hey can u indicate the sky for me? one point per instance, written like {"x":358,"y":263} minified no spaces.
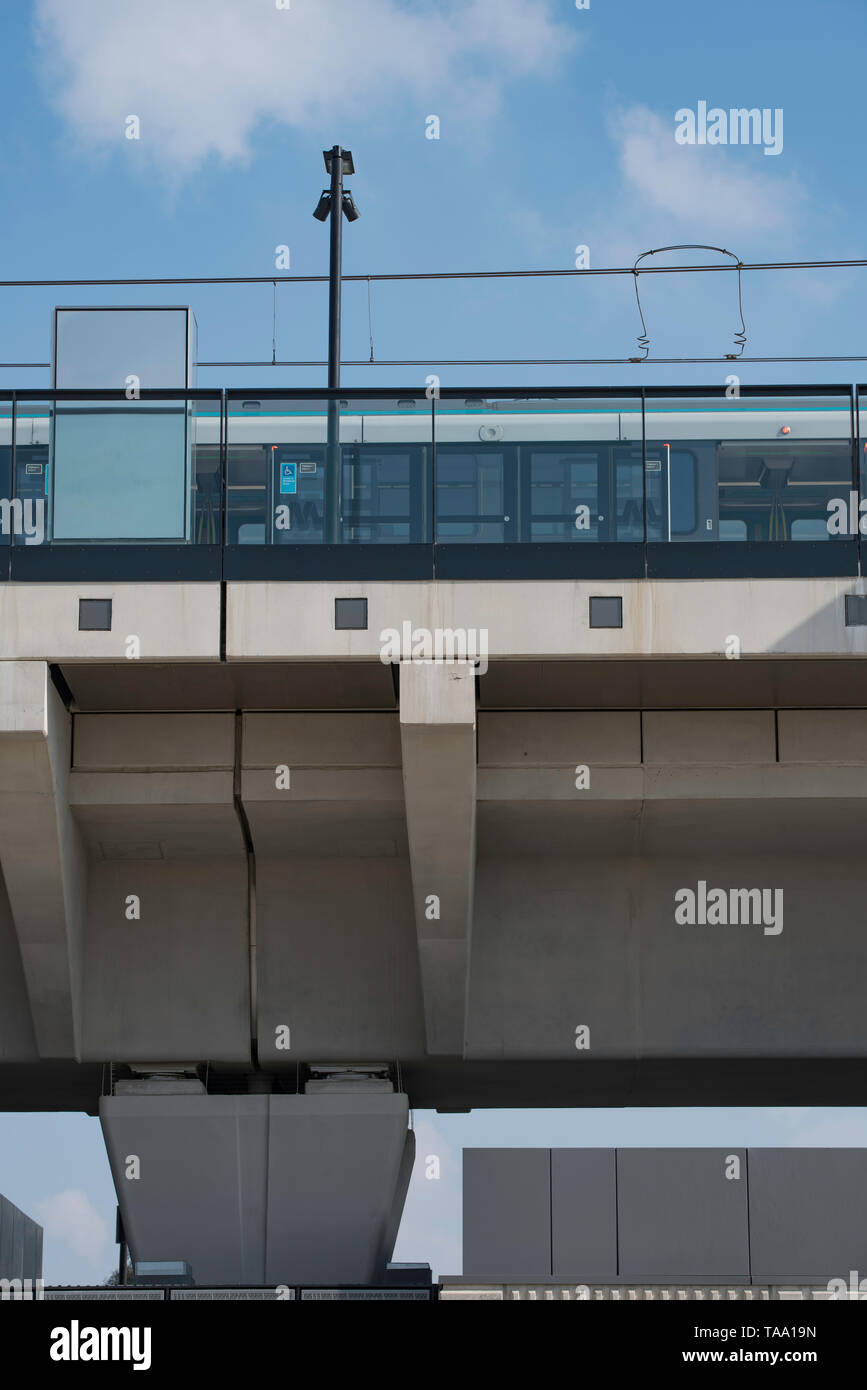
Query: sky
{"x":557,"y":129}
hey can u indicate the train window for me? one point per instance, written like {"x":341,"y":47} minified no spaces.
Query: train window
{"x":564,"y":484}
{"x":733,"y":530}
{"x":810,"y":529}
{"x":629,"y":500}
{"x":470,"y":494}
{"x":684,"y":518}
{"x":376,"y":495}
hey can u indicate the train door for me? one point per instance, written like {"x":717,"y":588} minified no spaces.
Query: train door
{"x":476,"y":493}
{"x":677,"y":508}
{"x":585,"y":492}
{"x":384,"y":493}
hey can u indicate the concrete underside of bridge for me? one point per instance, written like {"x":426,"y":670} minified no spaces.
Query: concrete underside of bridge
{"x":253,"y":867}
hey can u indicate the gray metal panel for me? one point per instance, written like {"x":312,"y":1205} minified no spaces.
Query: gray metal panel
{"x":583,"y":1214}
{"x":18,"y":1220}
{"x":680,"y":1217}
{"x":32,"y":1260}
{"x":7,"y":1213}
{"x":507,"y":1214}
{"x":808,"y":1214}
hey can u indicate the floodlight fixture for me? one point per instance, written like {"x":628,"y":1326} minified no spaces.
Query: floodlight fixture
{"x":323,"y":207}
{"x":350,"y":210}
{"x":346,"y":159}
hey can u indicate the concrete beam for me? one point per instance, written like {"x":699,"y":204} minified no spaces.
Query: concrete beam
{"x":41,"y":851}
{"x":550,"y":619}
{"x":438,"y":735}
{"x":336,"y":950}
{"x":352,"y":758}
{"x":171,"y":622}
{"x":152,"y":795}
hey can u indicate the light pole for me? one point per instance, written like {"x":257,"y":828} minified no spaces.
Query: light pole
{"x":337,"y":204}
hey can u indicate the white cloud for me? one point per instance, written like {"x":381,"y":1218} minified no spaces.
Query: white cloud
{"x":71,"y":1217}
{"x":709,"y":189}
{"x":201,"y":74}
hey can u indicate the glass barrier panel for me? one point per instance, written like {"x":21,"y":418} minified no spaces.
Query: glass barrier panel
{"x":206,"y":502}
{"x":859,"y":509}
{"x":309,"y":472}
{"x":102,"y":349}
{"x":122,"y":471}
{"x":746,"y":468}
{"x":386,"y":470}
{"x":31,"y":484}
{"x":7,"y":513}
{"x":550,"y":470}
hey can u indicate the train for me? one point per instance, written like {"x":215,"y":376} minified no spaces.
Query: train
{"x":478,"y":470}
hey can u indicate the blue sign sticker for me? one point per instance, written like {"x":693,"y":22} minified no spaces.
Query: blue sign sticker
{"x":288,"y":477}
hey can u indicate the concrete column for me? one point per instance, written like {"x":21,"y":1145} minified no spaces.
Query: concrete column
{"x":41,"y":851}
{"x":261,"y":1189}
{"x":438,"y":735}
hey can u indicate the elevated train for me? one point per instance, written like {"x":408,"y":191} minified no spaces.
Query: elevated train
{"x":521,"y":471}
{"x":480,"y":470}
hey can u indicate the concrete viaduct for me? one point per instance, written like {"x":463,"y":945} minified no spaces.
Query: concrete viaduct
{"x":261,"y":892}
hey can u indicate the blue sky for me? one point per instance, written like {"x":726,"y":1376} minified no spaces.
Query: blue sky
{"x":556,"y":129}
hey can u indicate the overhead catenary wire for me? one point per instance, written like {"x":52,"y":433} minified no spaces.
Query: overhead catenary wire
{"x":542,"y":361}
{"x":507,"y":361}
{"x":736,"y":266}
{"x":837,"y":264}
{"x":510,"y":361}
{"x":740,"y":337}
